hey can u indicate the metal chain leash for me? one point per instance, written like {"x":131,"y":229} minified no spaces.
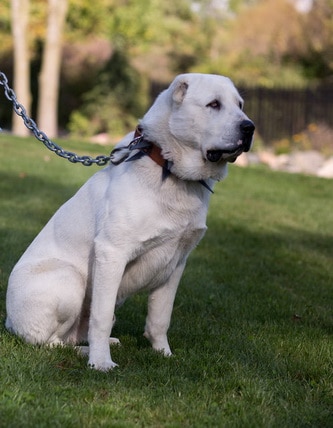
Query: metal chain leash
{"x":100,"y":160}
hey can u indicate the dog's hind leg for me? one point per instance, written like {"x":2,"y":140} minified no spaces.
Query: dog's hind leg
{"x":44,"y":306}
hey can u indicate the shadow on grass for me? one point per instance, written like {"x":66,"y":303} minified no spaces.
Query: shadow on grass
{"x":248,"y":281}
{"x":23,"y":213}
{"x":286,"y":270}
{"x":26,"y":211}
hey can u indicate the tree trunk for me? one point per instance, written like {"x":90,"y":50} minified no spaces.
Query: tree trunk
{"x":47,"y":117}
{"x":20,"y":18}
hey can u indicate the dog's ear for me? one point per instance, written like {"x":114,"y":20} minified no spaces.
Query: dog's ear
{"x":180,"y":91}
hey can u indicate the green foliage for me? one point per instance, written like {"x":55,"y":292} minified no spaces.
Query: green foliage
{"x":86,"y":18}
{"x":115,"y":103}
{"x":252,"y":323}
{"x":133,"y":23}
{"x":257,"y":72}
{"x":121,"y":93}
{"x":292,"y":49}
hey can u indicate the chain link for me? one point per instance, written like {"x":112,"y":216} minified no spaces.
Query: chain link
{"x":100,"y":160}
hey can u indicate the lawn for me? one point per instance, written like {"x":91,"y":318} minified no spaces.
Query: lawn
{"x":252,"y":324}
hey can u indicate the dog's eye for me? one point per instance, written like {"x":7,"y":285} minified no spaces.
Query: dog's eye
{"x":240,"y":105}
{"x":216,"y":105}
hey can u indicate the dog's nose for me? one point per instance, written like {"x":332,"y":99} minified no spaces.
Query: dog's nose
{"x":247,"y":127}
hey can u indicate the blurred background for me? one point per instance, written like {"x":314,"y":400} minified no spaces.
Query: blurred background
{"x":84,"y":68}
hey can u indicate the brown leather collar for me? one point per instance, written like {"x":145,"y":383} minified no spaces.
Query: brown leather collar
{"x":154,"y":152}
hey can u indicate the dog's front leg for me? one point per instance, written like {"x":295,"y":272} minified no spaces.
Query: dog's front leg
{"x":160,"y":305}
{"x":108,"y":272}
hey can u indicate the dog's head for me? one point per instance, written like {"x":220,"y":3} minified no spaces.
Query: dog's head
{"x":200,"y":126}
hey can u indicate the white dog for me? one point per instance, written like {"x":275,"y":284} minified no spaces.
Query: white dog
{"x":132,"y":226}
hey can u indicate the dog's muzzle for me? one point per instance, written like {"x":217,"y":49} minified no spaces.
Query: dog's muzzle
{"x":230,"y":154}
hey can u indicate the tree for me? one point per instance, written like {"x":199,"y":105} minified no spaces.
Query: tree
{"x":47,"y":116}
{"x":20,"y":18}
{"x":264,"y":53}
{"x":317,"y":55}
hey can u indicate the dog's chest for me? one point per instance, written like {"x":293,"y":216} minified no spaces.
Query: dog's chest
{"x":156,"y":227}
{"x":157,"y":259}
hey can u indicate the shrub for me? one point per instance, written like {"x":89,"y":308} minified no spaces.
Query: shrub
{"x":113,"y":105}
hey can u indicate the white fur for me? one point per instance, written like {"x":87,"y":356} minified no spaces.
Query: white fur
{"x":126,"y":230}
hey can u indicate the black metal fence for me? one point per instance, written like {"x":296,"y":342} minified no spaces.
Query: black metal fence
{"x":282,"y":113}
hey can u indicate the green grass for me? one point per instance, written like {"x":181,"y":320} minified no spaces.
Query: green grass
{"x":252,"y":324}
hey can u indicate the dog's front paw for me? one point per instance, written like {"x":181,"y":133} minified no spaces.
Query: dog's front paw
{"x":103,"y":366}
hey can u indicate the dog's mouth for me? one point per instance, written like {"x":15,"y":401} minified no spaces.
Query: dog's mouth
{"x":231,"y":153}
{"x":227,"y":155}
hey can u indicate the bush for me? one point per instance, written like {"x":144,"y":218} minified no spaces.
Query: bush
{"x":314,"y":137}
{"x":118,"y":99}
